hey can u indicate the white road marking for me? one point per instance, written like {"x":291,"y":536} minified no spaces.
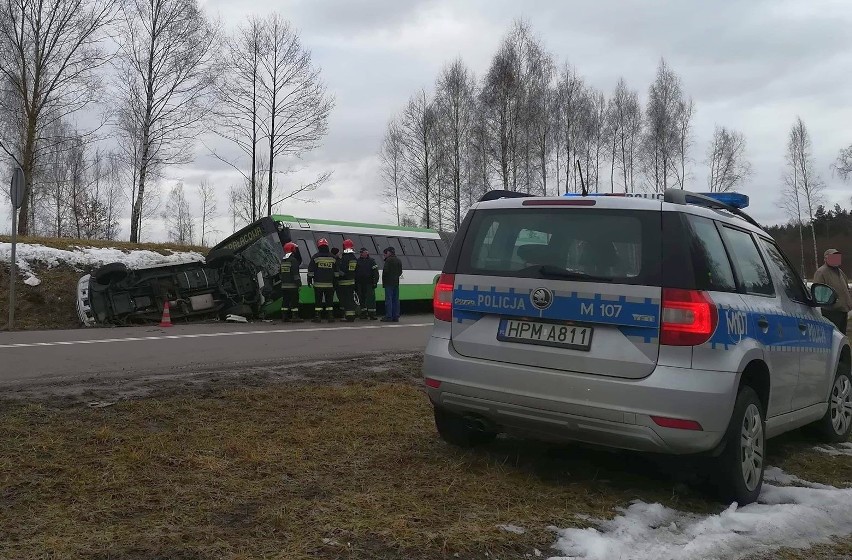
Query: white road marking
{"x":207,"y":335}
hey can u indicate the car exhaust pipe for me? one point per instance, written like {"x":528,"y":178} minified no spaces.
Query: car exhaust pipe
{"x":480,"y":424}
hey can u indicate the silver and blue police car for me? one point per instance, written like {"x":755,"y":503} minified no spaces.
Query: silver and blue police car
{"x":667,"y":323}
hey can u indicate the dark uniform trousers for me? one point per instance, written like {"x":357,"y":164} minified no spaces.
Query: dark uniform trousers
{"x":346,"y":294}
{"x":290,"y":302}
{"x":324,"y":297}
{"x":367,"y":298}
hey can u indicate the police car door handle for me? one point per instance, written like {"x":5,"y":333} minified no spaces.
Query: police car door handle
{"x":763,"y":323}
{"x":803,"y":327}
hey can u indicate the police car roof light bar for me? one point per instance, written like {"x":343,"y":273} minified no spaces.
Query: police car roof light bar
{"x":678,"y":196}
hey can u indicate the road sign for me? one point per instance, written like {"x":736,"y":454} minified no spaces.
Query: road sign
{"x":17,"y":190}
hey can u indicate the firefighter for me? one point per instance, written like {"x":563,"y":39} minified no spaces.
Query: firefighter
{"x":338,"y":307}
{"x":291,"y":281}
{"x":346,"y":282}
{"x":322,"y":272}
{"x":366,"y":281}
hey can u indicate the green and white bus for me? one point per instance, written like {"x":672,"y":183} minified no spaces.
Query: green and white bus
{"x":422,"y":251}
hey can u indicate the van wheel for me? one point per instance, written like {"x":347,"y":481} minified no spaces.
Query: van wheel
{"x":741,"y":464}
{"x":110,"y":273}
{"x":837,"y":422}
{"x":456,"y":430}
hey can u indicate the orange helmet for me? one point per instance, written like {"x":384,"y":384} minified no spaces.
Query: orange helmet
{"x":347,"y":244}
{"x":322,"y":242}
{"x":289,"y":247}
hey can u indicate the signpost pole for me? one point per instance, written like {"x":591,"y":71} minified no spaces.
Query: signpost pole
{"x":13,"y":272}
{"x":16,"y":191}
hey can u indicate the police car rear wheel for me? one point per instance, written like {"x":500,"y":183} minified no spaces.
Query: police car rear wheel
{"x":459,"y":431}
{"x":741,"y":464}
{"x":837,"y":422}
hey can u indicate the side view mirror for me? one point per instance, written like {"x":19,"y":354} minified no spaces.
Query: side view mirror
{"x":823,"y":295}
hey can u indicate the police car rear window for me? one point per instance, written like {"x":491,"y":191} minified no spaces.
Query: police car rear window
{"x":572,"y":244}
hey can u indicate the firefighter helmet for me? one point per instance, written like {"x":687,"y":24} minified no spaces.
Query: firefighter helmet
{"x":322,"y":242}
{"x":289,"y":247}
{"x":347,"y":244}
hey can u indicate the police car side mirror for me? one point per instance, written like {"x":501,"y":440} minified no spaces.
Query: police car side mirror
{"x":824,"y":296}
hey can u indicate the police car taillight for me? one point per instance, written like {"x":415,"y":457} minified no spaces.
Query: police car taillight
{"x":442,"y":301}
{"x":689,"y":317}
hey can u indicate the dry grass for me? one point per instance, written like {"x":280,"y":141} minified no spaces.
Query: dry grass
{"x":271,"y":472}
{"x":320,"y":468}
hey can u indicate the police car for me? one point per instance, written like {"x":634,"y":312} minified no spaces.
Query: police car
{"x":669,"y":323}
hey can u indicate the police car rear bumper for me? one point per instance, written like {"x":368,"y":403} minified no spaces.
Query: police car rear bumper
{"x":558,"y":405}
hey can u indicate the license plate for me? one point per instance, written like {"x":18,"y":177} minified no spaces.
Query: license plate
{"x":559,"y":335}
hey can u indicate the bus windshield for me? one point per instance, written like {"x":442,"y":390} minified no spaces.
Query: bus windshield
{"x":266,"y":254}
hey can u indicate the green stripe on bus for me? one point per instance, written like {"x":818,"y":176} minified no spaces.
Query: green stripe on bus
{"x":407,"y":292}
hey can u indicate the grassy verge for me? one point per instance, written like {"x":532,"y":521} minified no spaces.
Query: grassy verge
{"x":337,"y":470}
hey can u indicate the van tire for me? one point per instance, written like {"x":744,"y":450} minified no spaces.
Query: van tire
{"x":835,"y":426}
{"x":733,"y":485}
{"x":456,"y":430}
{"x":109,"y":273}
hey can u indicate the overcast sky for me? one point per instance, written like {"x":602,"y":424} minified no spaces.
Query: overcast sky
{"x":753,"y":66}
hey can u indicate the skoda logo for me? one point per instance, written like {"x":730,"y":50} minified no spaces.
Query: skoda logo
{"x":541,"y":298}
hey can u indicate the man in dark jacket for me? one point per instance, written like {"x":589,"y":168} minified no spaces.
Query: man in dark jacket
{"x":346,"y":282}
{"x":322,"y":272}
{"x":366,"y":280}
{"x":391,"y":273}
{"x":291,"y":281}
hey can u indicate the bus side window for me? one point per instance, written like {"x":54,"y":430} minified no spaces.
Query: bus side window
{"x":367,"y":243}
{"x":308,"y":250}
{"x":430,"y":249}
{"x":394,"y":242}
{"x":411,"y":247}
{"x":381,"y":243}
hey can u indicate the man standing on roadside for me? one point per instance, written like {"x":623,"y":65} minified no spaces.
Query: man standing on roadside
{"x":832,"y":275}
{"x":366,"y":280}
{"x":390,"y":282}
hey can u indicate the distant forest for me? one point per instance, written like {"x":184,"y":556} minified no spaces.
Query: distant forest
{"x":833,"y":230}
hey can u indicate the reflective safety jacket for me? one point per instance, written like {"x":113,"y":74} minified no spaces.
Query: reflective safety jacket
{"x":322,"y":270}
{"x":289,"y":274}
{"x":348,"y":264}
{"x":367,"y":271}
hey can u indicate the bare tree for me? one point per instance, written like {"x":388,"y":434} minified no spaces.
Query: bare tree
{"x":569,"y":91}
{"x":392,"y":157}
{"x":50,"y":52}
{"x":685,"y":111}
{"x":207,"y":196}
{"x":180,"y":224}
{"x":625,"y":124}
{"x":456,"y":113}
{"x":663,"y":120}
{"x":294,"y":98}
{"x":419,"y":133}
{"x":801,"y":177}
{"x":238,"y":94}
{"x":843,"y":165}
{"x":726,"y":160}
{"x":167,"y":70}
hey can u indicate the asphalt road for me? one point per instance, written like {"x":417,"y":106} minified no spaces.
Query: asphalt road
{"x":40,"y":356}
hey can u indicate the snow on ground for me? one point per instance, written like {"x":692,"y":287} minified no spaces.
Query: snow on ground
{"x":841,"y":449}
{"x":510,"y":528}
{"x":28,"y":253}
{"x":785,"y":516}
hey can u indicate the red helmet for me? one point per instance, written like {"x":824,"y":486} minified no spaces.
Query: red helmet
{"x":347,"y":244}
{"x":322,"y":242}
{"x":289,"y":247}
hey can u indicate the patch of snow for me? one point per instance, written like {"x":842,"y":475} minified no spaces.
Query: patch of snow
{"x":90,"y":257}
{"x":785,"y":516}
{"x":839,"y":450}
{"x":32,"y":280}
{"x":776,"y":475}
{"x":509,"y":528}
